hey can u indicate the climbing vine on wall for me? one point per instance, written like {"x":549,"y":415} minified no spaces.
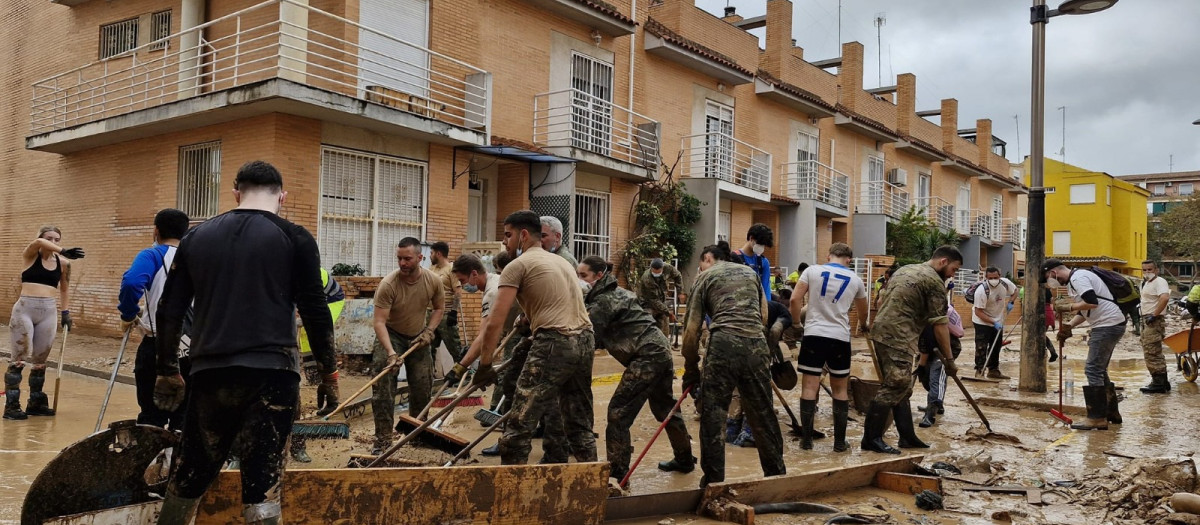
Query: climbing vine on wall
{"x":663,"y":216}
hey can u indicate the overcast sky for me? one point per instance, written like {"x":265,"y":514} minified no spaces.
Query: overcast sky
{"x":1129,"y":76}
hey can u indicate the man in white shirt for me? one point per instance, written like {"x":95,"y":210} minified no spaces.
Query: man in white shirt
{"x":830,"y":290}
{"x":1155,"y":294}
{"x":1093,"y":302}
{"x":992,"y":301}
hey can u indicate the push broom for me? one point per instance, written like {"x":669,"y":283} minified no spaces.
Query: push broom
{"x":324,"y":428}
{"x":1058,"y":414}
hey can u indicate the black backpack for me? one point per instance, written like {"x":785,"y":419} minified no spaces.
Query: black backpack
{"x":1123,"y":288}
{"x":969,"y":293}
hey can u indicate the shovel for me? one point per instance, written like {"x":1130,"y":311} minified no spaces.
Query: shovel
{"x":382,"y":373}
{"x":782,"y":372}
{"x":111,"y":380}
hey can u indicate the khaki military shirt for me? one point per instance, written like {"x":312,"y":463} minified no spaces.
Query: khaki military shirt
{"x":731,"y":295}
{"x":548,"y":292}
{"x":449,"y":282}
{"x":406,"y":303}
{"x":916,"y":298}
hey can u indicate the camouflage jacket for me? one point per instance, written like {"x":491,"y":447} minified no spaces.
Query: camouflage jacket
{"x":621,"y":326}
{"x":732,"y":296}
{"x":652,"y":291}
{"x":916,"y":298}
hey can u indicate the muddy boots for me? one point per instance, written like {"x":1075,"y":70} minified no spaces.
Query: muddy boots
{"x":808,"y":412}
{"x":1158,"y":384}
{"x":38,"y":402}
{"x":745,"y":438}
{"x":299,"y":450}
{"x":874,"y":427}
{"x":902,"y":414}
{"x":678,"y":465}
{"x":1110,"y":395}
{"x":1096,"y":398}
{"x":177,"y":510}
{"x":930,"y":415}
{"x":732,"y":427}
{"x":12,"y":394}
{"x":841,"y":413}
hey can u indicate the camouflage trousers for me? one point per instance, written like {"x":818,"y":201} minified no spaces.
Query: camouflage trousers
{"x":506,"y":387}
{"x":647,"y":378}
{"x":447,"y":332}
{"x":896,"y":365}
{"x":554,"y":435}
{"x":663,"y":322}
{"x":735,"y":361}
{"x":1152,"y":347}
{"x":558,"y":372}
{"x":419,"y":369}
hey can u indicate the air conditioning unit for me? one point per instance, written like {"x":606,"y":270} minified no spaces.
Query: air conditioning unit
{"x":1168,"y":184}
{"x":897,"y":176}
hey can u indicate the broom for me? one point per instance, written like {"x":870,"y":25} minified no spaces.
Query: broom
{"x":1058,"y":414}
{"x":340,"y":429}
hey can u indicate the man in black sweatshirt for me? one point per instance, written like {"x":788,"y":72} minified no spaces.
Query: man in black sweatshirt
{"x":248,"y":271}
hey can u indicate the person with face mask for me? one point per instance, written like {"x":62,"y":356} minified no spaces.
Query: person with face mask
{"x":654,"y":287}
{"x":1155,"y":293}
{"x":552,"y":239}
{"x":758,"y":238}
{"x":993,"y":299}
{"x":1090,"y":301}
{"x":917,"y":299}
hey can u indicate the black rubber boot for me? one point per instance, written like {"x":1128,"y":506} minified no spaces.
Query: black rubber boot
{"x":12,"y":394}
{"x":1096,"y":398}
{"x":678,"y":465}
{"x":493,"y":450}
{"x":1158,"y":384}
{"x":902,"y":414}
{"x":930,"y":418}
{"x":873,"y":429}
{"x":808,"y":412}
{"x":299,"y":451}
{"x":841,"y":413}
{"x":39,"y":404}
{"x":1110,"y":395}
{"x":177,"y":510}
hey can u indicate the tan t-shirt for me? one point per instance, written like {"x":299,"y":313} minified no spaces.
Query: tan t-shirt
{"x":449,"y":282}
{"x":548,"y":291}
{"x":406,"y":303}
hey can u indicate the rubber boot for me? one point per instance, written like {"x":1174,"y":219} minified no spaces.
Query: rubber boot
{"x":1110,"y":395}
{"x":902,"y":414}
{"x":745,"y":438}
{"x":732,"y":426}
{"x":940,"y":408}
{"x":39,"y":404}
{"x":873,"y":429}
{"x":1096,"y":398}
{"x":995,"y":373}
{"x":808,"y":412}
{"x":930,"y":418}
{"x":265,"y":513}
{"x":1158,"y":384}
{"x":177,"y":510}
{"x":493,"y":450}
{"x":12,"y":394}
{"x":299,"y":450}
{"x":841,"y":413}
{"x":678,"y":465}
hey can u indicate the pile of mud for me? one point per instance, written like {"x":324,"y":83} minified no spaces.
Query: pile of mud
{"x":1138,"y":493}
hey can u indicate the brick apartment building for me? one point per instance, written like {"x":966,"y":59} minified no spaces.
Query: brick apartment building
{"x":435,"y":119}
{"x":1166,"y":191}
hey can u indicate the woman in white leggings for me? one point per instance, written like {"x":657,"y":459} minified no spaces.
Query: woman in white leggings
{"x":34,"y":323}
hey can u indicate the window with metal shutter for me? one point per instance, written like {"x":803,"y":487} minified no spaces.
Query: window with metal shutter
{"x":591,"y":108}
{"x":384,"y":60}
{"x":199,"y":180}
{"x":160,"y":23}
{"x":591,"y":226}
{"x":118,"y":37}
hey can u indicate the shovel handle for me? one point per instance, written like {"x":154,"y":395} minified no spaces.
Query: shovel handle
{"x":661,"y":426}
{"x":62,"y":351}
{"x":437,"y":395}
{"x":467,"y":449}
{"x":971,"y":400}
{"x":382,"y":373}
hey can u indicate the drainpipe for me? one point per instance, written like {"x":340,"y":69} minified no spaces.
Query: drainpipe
{"x":191,"y":14}
{"x":632,"y":45}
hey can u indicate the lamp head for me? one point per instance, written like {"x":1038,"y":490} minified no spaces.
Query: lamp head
{"x":1083,"y":7}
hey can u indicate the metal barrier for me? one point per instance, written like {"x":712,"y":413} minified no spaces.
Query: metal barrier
{"x":938,"y":211}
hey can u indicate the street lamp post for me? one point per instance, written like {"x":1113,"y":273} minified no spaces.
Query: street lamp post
{"x":1033,"y":364}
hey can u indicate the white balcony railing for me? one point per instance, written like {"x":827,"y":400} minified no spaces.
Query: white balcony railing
{"x":964,"y":278}
{"x":962,"y":220}
{"x":572,"y":118}
{"x":812,"y":180}
{"x":262,"y":42}
{"x":985,"y":225}
{"x":882,"y":197}
{"x":719,"y":155}
{"x":937,"y":211}
{"x":1014,"y":231}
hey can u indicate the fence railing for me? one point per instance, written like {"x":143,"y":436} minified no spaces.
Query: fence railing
{"x":1014,"y":231}
{"x":962,"y":220}
{"x":963,"y":279}
{"x":882,"y":197}
{"x":985,"y":225}
{"x":719,"y":155}
{"x":262,"y":42}
{"x":815,"y":181}
{"x":580,"y":120}
{"x":938,"y":211}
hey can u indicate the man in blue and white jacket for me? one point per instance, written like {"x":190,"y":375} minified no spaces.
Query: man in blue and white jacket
{"x":145,"y":278}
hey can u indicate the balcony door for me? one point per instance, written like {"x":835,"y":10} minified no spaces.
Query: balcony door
{"x":718,"y":141}
{"x":392,"y":62}
{"x":874,"y":194}
{"x":591,"y":104}
{"x":963,"y":207}
{"x":997,"y":215}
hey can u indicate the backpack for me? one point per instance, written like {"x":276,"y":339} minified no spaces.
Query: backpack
{"x":969,"y":293}
{"x":1123,"y":288}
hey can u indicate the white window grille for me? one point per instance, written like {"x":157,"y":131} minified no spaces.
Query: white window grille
{"x":591,"y":107}
{"x":368,"y":203}
{"x":118,"y":37}
{"x":199,"y":179}
{"x":808,"y":147}
{"x":997,"y":214}
{"x":590,"y":235}
{"x":724,"y":219}
{"x":160,"y":24}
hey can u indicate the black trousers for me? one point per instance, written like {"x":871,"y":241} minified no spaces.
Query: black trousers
{"x":984,"y":335}
{"x":252,"y":406}
{"x":144,"y":375}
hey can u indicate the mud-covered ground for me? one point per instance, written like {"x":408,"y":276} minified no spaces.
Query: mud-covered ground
{"x":1087,"y":477}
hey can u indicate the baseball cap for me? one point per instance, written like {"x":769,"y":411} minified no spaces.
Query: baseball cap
{"x":1049,"y":264}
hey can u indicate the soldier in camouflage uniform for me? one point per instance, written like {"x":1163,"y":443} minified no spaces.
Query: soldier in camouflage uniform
{"x":731,"y":295}
{"x":653,"y":287}
{"x":629,"y":335}
{"x":916,"y":298}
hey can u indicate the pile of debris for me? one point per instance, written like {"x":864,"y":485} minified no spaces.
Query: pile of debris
{"x":1139,"y":492}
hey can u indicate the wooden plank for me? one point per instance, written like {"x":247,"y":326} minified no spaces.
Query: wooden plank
{"x":137,"y":514}
{"x":796,"y":487}
{"x":431,"y":437}
{"x":907,"y":483}
{"x":550,"y":494}
{"x":729,"y":511}
{"x":1025,"y":404}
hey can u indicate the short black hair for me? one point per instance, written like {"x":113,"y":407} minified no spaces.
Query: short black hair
{"x":258,"y":174}
{"x":718,"y":253}
{"x":1150,"y":262}
{"x":991,"y":269}
{"x":948,"y":252}
{"x":466,"y":263}
{"x":595,"y":263}
{"x":409,"y":242}
{"x":441,"y":247}
{"x":525,"y":220}
{"x":762,"y":234}
{"x":171,"y":223}
{"x":785,"y":294}
{"x":892,"y":269}
{"x":500,"y":260}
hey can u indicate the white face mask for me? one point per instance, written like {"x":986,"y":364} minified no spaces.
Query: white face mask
{"x":1053,"y":282}
{"x":993,"y":282}
{"x":586,"y":286}
{"x":1149,"y":275}
{"x":759,"y":249}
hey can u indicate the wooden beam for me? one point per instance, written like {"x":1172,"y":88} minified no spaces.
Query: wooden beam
{"x":796,"y":487}
{"x":907,"y":483}
{"x":727,"y":510}
{"x":561,"y":493}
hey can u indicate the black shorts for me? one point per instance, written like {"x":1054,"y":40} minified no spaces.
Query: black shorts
{"x":817,"y":352}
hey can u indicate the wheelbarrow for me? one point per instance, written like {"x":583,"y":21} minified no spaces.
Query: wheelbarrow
{"x":1186,"y":345}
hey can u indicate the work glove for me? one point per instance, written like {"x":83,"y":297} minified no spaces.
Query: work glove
{"x":1064,"y":333}
{"x":127,"y":325}
{"x":327,"y":394}
{"x":1010,"y":307}
{"x":424,"y":338}
{"x":66,"y":320}
{"x":168,"y":392}
{"x":1063,"y":306}
{"x":455,"y":374}
{"x":922,"y":373}
{"x":484,"y":376}
{"x":72,"y":253}
{"x":393,"y":361}
{"x":691,"y":378}
{"x":998,"y":325}
{"x":950,"y":367}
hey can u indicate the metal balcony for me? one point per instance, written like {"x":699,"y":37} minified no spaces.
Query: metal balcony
{"x":881,"y":197}
{"x":811,"y":180}
{"x":573,"y":119}
{"x":985,"y":225}
{"x":720,"y":156}
{"x":937,"y":211}
{"x":1014,"y":231}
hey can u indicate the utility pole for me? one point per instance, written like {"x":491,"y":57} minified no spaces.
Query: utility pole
{"x":880,"y":20}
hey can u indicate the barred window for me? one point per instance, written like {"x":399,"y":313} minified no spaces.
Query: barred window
{"x":160,"y":22}
{"x":199,"y":179}
{"x":591,"y":233}
{"x":118,"y":37}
